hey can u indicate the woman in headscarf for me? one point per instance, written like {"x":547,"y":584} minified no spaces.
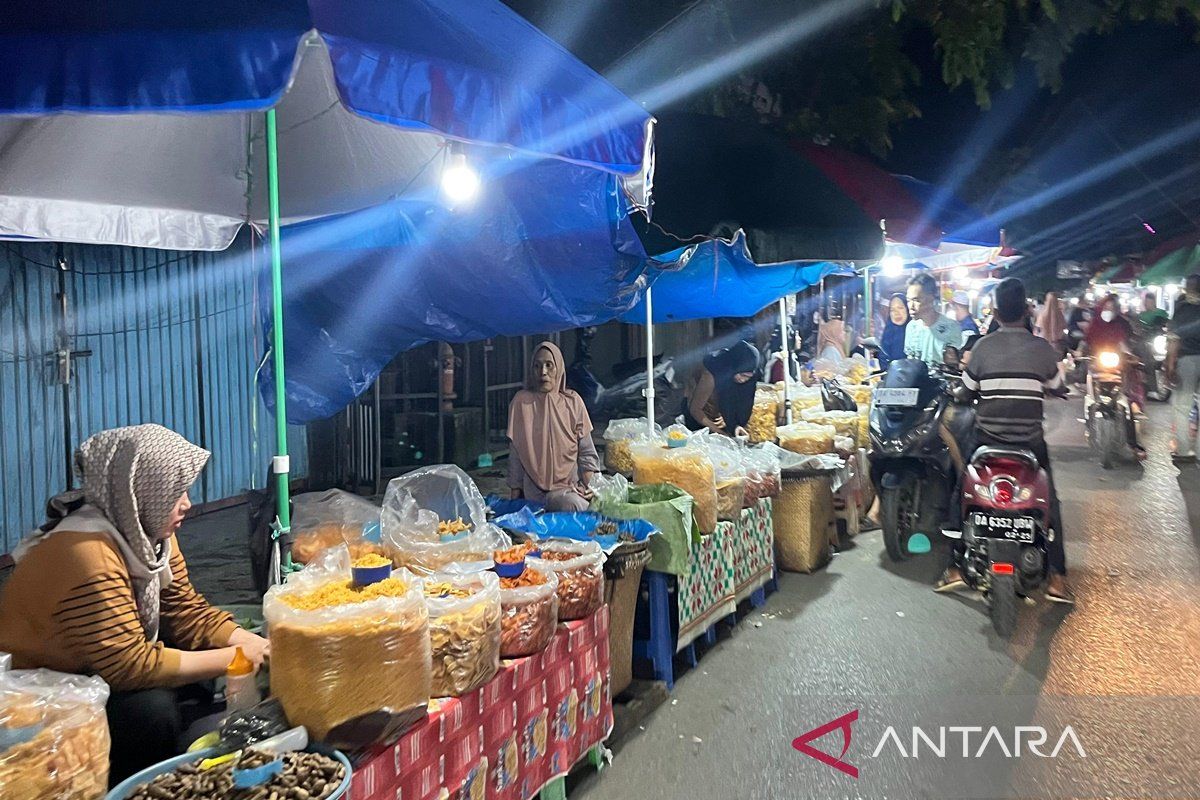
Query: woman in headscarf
{"x":1051,"y":324}
{"x":553,"y":457}
{"x":892,"y":341}
{"x":721,"y":396}
{"x":101,"y":588}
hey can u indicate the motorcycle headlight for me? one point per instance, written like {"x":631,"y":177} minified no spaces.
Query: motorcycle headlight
{"x":1160,"y":346}
{"x":1109,"y":360}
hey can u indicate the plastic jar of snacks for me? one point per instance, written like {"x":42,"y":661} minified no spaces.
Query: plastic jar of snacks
{"x":528,"y":612}
{"x":580,"y":570}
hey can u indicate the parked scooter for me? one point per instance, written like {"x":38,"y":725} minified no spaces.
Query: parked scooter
{"x":1006,"y":524}
{"x":911,"y":466}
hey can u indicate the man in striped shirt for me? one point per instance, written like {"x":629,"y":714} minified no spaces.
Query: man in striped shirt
{"x":1010,"y":371}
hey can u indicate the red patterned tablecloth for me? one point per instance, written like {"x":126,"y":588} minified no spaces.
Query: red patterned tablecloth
{"x":505,"y":741}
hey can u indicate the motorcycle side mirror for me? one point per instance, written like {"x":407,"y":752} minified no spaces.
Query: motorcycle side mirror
{"x":919,"y":544}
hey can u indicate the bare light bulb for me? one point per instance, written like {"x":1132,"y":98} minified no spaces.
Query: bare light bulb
{"x":891,"y":266}
{"x":460,"y":183}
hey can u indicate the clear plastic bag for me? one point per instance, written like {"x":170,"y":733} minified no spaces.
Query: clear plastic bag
{"x":464,"y":630}
{"x":762,"y":472}
{"x":844,"y":423}
{"x":729,"y":469}
{"x":807,"y":438}
{"x":803,"y":398}
{"x":687,"y":468}
{"x":608,"y":489}
{"x":619,"y":438}
{"x":336,"y":663}
{"x":421,"y":516}
{"x":580,"y":570}
{"x":321,"y":520}
{"x":764,"y":416}
{"x":56,"y":734}
{"x":528,"y":615}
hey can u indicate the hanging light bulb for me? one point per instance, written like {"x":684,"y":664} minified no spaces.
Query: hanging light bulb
{"x":460,"y":183}
{"x":891,"y":265}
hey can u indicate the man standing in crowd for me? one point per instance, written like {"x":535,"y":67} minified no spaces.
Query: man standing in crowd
{"x":1183,"y":365}
{"x":929,"y":333}
{"x":960,"y":306}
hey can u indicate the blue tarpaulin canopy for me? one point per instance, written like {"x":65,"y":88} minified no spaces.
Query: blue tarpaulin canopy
{"x":718,"y":278}
{"x":359,"y":289}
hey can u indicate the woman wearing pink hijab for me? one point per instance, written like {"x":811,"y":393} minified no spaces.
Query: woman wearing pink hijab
{"x":553,"y":457}
{"x":1051,"y":325}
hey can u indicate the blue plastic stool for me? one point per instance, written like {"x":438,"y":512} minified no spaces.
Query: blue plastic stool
{"x":659,"y":649}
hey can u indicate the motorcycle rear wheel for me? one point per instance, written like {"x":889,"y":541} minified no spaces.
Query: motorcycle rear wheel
{"x":897,"y":511}
{"x":1003,"y":602}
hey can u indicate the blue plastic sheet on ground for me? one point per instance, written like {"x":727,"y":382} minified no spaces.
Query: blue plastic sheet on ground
{"x":720,"y":279}
{"x":546,"y":246}
{"x":577,"y":526}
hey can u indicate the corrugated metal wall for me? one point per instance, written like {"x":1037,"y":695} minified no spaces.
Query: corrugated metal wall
{"x":160,"y":336}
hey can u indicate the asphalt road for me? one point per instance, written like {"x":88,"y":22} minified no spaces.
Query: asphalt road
{"x":1121,"y":670}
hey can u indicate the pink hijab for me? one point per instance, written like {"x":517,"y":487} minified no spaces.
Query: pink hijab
{"x":545,"y":427}
{"x":1051,"y":322}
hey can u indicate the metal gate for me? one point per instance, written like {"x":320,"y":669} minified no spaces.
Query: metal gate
{"x":97,"y":337}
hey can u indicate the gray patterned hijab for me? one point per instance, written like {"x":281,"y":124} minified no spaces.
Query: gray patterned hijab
{"x":132,"y":477}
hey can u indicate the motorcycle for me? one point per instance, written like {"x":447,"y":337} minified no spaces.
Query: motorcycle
{"x":1158,"y":388}
{"x":911,"y":467}
{"x":1006,"y":524}
{"x":1107,"y":413}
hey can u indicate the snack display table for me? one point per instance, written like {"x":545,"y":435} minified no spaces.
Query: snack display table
{"x":731,"y":565}
{"x":507,"y":740}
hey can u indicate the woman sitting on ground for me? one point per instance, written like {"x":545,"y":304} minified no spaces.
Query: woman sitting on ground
{"x":101,"y":588}
{"x":553,"y":457}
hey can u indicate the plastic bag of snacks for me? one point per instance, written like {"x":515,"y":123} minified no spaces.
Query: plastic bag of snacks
{"x":802,"y":398}
{"x":528,"y":611}
{"x":729,"y":469}
{"x":764,"y":415}
{"x":861,"y":394}
{"x":844,"y":423}
{"x":677,"y":435}
{"x":54,"y":739}
{"x":340,"y":652}
{"x":619,"y":437}
{"x":687,"y":468}
{"x":464,"y":628}
{"x":762,"y":473}
{"x":580,"y":570}
{"x":807,"y":438}
{"x":321,"y":520}
{"x":434,"y":518}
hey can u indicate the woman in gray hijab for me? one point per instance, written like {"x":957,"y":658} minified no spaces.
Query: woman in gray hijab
{"x":101,"y":588}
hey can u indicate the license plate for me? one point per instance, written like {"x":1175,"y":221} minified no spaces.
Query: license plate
{"x":992,"y":526}
{"x":896,"y":397}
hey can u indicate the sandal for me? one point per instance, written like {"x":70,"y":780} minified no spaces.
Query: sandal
{"x":1067,"y":599}
{"x":946,"y":584}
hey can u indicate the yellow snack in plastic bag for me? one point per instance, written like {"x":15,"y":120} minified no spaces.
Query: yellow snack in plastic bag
{"x":845,"y":423}
{"x":687,"y":468}
{"x":764,"y":415}
{"x":807,"y":438}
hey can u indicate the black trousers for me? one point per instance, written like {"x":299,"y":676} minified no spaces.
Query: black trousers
{"x":148,"y":725}
{"x":1056,"y":555}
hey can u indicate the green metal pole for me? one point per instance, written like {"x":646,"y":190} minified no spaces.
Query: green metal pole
{"x":281,"y":466}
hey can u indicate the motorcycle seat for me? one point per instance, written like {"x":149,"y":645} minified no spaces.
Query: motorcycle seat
{"x":1016,"y":453}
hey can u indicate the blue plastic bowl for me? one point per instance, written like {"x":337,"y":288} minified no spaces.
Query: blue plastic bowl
{"x":365,"y":576}
{"x":509,"y":570}
{"x":676,"y":442}
{"x":125,"y":788}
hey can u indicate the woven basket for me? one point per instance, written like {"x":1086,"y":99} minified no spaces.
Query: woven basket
{"x":804,"y":524}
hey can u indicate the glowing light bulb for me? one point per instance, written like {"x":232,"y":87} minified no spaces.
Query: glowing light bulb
{"x":460,"y":183}
{"x":891,"y":265}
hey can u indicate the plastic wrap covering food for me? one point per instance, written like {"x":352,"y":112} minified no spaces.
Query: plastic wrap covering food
{"x":687,"y":468}
{"x":464,"y":628}
{"x":619,"y":438}
{"x":349,"y":663}
{"x":580,"y":570}
{"x":802,"y":398}
{"x":807,"y":438}
{"x":435,"y":519}
{"x":864,"y":425}
{"x":53,"y":736}
{"x":762,"y":473}
{"x":861,"y":393}
{"x":844,"y":423}
{"x":764,"y":415}
{"x":321,"y":520}
{"x":5,"y":662}
{"x":528,"y":612}
{"x":857,"y":371}
{"x":729,"y":469}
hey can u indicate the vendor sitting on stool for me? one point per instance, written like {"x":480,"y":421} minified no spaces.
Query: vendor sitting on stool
{"x":552,"y":456}
{"x":101,"y":588}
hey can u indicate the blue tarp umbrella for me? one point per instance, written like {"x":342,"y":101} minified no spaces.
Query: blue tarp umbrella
{"x":159,"y":123}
